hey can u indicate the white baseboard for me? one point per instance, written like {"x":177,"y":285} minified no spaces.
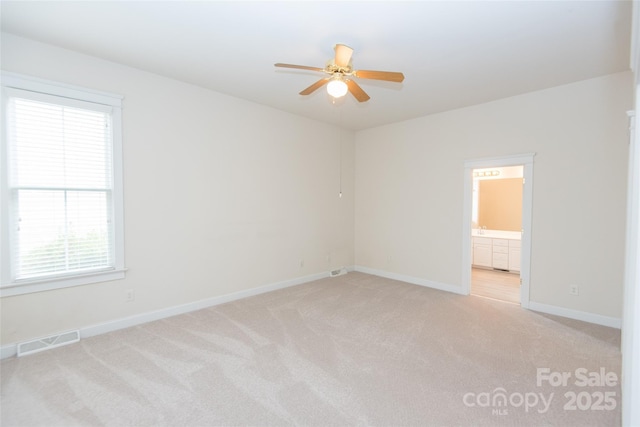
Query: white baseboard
{"x":10,"y":350}
{"x":612,"y":322}
{"x":598,"y":319}
{"x":413,"y":280}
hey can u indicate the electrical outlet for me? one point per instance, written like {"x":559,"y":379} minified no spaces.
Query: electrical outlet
{"x":574,"y":290}
{"x":301,"y":263}
{"x":129,"y":295}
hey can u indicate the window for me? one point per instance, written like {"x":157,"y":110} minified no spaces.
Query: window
{"x":61,"y":175}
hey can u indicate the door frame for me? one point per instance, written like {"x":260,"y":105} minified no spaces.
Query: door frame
{"x":525,"y":160}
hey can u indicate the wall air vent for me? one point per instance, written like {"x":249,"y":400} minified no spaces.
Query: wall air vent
{"x":339,"y":272}
{"x":47,"y":343}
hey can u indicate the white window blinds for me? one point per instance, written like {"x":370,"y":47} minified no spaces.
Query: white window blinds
{"x":60,"y":185}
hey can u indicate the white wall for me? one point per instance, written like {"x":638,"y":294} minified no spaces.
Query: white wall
{"x":631,"y":316}
{"x":409,"y":189}
{"x":221,"y":195}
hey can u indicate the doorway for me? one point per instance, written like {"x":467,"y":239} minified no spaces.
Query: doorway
{"x":496,"y":230}
{"x":485,"y":255}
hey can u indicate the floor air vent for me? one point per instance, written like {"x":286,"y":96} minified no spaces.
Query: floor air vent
{"x":53,"y":341}
{"x":339,"y":272}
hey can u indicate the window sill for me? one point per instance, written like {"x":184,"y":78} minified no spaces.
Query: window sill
{"x":51,"y":283}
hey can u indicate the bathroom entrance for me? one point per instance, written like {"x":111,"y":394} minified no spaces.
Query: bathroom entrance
{"x":496,"y":228}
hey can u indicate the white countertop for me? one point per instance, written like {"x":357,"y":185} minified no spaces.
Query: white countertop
{"x":497,"y":234}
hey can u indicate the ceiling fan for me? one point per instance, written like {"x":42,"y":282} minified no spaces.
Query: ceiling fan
{"x":341,"y":74}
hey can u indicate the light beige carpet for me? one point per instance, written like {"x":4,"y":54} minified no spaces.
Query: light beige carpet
{"x":352,"y":350}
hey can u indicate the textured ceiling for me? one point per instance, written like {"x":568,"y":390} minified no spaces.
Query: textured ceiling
{"x":453,"y":53}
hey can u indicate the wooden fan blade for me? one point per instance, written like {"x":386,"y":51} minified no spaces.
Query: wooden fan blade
{"x":300,"y":67}
{"x":389,"y":76}
{"x":317,"y":85}
{"x":343,"y":55}
{"x":357,"y":91}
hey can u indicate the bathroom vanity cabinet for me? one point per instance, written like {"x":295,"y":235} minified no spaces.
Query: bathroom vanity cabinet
{"x":496,"y":252}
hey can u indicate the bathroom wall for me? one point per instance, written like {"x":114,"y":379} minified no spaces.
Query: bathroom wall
{"x":500,"y":204}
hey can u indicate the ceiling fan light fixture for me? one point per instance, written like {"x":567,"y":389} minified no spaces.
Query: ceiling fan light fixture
{"x":342,"y":75}
{"x":337,"y":87}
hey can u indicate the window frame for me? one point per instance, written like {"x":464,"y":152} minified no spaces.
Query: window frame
{"x":8,"y":287}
